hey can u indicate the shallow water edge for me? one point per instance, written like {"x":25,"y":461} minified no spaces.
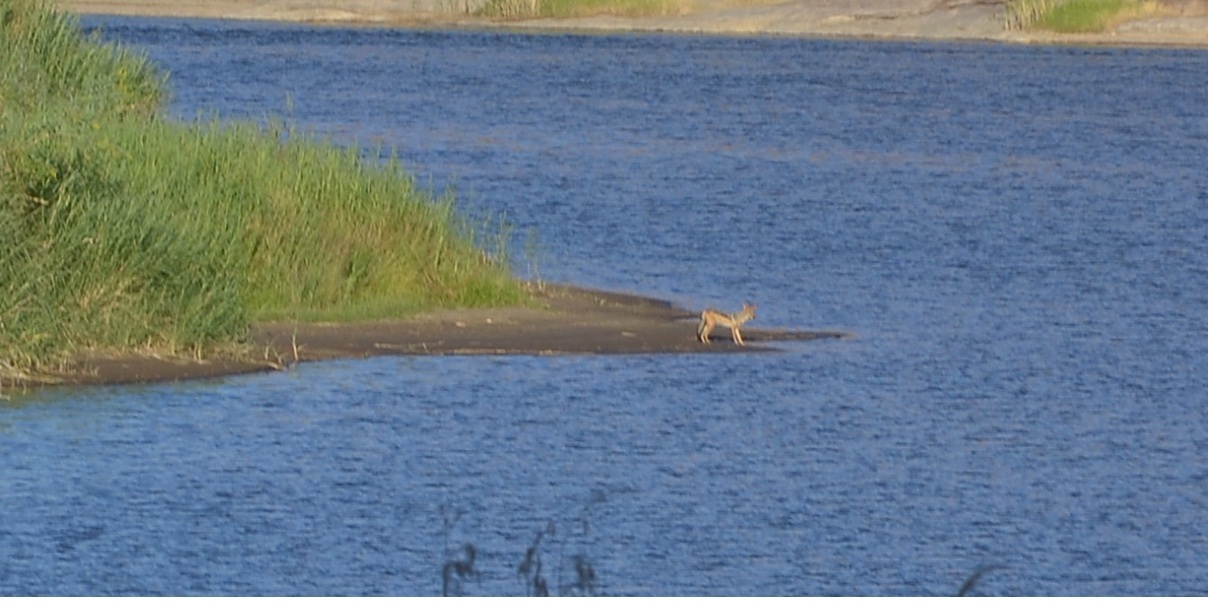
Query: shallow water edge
{"x":562,"y":320}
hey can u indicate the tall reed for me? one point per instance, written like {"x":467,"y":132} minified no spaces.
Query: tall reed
{"x":1022,"y":14}
{"x":46,"y":57}
{"x":121,"y":229}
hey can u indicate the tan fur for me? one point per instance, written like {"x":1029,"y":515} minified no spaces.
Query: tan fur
{"x":710,"y":318}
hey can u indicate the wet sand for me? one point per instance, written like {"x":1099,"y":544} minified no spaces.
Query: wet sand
{"x":561,"y":320}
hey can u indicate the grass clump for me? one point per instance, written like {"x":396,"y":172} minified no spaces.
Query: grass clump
{"x":1075,"y":16}
{"x":565,"y":9}
{"x":45,"y":58}
{"x":122,"y":229}
{"x":1021,"y":14}
{"x":1082,"y":16}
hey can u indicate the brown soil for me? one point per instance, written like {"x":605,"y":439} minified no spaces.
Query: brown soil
{"x":563,"y":320}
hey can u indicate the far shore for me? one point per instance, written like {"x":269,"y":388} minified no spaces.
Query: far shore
{"x":1181,"y":23}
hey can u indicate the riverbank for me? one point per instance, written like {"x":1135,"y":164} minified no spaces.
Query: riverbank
{"x":561,"y":320}
{"x":1180,"y":23}
{"x":122,"y":229}
{"x":555,"y":326}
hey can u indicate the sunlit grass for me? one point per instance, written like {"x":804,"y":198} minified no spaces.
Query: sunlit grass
{"x":528,"y":9}
{"x":1075,"y":16}
{"x":1094,"y":15}
{"x":121,"y":229}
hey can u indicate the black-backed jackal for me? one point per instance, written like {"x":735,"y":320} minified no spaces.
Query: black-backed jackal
{"x":710,"y":318}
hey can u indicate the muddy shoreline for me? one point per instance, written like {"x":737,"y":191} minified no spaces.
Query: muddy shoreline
{"x":561,"y":320}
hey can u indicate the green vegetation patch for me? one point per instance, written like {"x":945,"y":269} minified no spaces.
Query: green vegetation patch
{"x":1074,"y":16}
{"x":1084,"y":15}
{"x":121,"y":229}
{"x":563,"y":9}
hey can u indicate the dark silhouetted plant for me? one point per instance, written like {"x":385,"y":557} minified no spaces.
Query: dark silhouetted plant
{"x":976,"y":577}
{"x":457,"y":571}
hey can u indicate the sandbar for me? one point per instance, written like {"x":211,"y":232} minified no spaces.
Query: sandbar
{"x":559,"y":320}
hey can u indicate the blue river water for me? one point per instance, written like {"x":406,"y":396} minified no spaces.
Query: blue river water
{"x":1015,"y":235}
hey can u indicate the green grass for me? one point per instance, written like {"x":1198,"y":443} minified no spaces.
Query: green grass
{"x":561,"y":9}
{"x":1073,"y":16}
{"x":121,"y":229}
{"x":1084,"y":15}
